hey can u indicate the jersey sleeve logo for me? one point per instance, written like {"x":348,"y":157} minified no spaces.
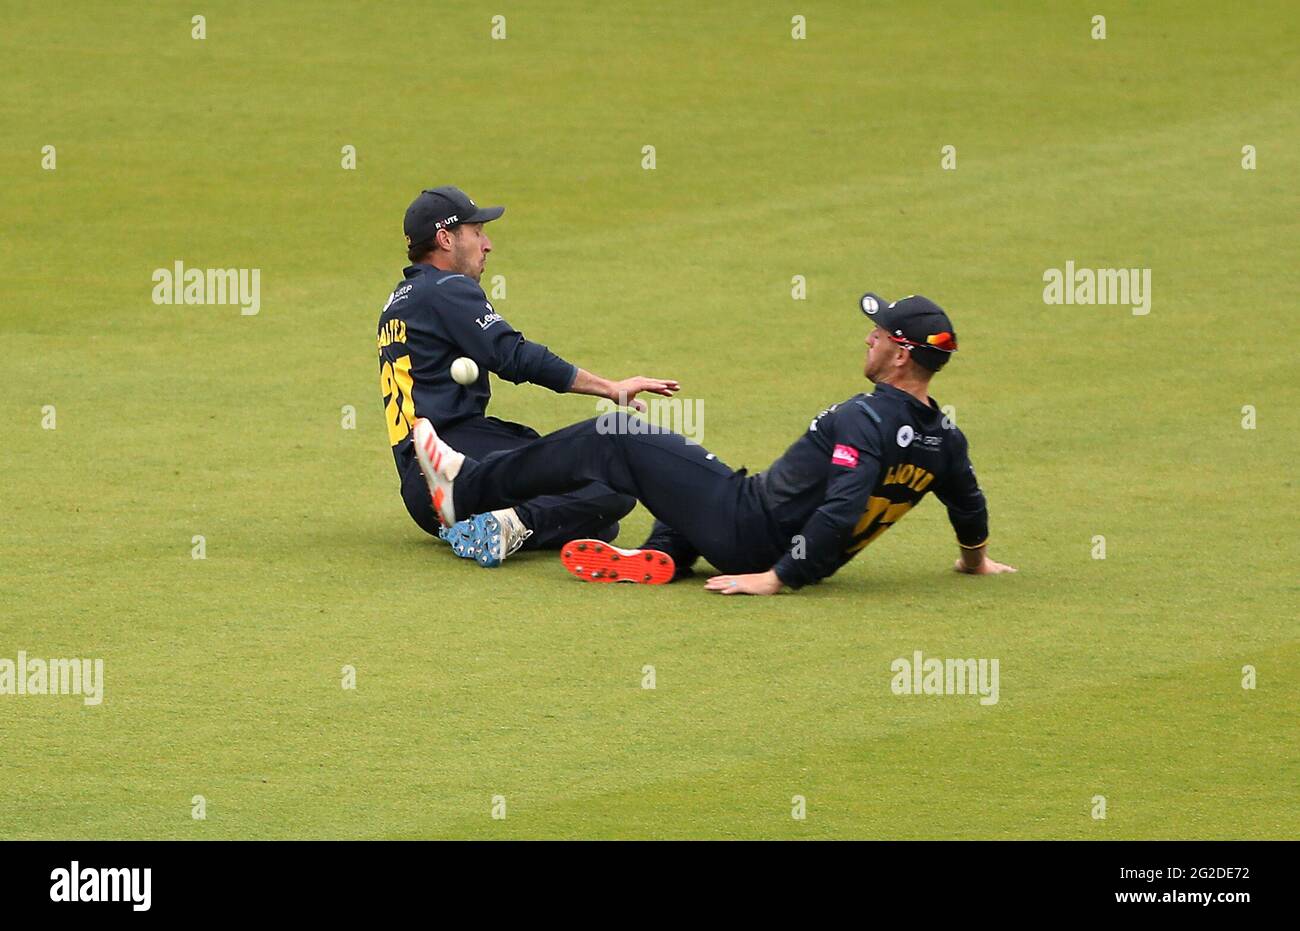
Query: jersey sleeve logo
{"x":845,"y":456}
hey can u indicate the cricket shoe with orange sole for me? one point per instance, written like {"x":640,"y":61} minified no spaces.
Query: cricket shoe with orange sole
{"x":597,"y":561}
{"x":440,"y":464}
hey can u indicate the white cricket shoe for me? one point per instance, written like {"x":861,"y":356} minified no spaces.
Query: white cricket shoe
{"x":440,"y":465}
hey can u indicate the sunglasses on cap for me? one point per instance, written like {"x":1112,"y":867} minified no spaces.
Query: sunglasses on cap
{"x":943,"y":342}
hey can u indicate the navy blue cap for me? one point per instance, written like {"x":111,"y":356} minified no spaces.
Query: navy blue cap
{"x":915,"y":322}
{"x":442,"y":208}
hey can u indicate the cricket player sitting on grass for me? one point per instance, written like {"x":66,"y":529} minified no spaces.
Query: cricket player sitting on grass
{"x":438,"y":314}
{"x":861,"y":465}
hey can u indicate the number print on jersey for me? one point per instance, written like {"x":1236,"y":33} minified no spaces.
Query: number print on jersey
{"x":880,"y":515}
{"x":395,"y":385}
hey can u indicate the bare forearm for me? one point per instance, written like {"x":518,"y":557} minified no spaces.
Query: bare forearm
{"x":588,"y":383}
{"x":621,"y":392}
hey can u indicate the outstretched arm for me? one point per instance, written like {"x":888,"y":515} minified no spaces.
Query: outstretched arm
{"x":623,"y":392}
{"x":485,"y":336}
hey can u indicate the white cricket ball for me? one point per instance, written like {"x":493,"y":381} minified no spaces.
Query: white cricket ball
{"x":464,"y":371}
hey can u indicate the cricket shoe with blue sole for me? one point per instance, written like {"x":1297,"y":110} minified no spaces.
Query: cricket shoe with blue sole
{"x":458,"y":538}
{"x":488,"y":539}
{"x":598,"y":561}
{"x":495,"y":537}
{"x":440,"y":464}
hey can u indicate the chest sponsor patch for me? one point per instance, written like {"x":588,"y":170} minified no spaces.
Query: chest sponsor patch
{"x":845,"y":456}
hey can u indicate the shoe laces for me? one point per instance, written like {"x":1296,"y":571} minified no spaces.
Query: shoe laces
{"x":513,"y":535}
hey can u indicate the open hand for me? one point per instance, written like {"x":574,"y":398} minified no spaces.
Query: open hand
{"x":625,"y":392}
{"x":987,"y":567}
{"x":757,"y":583}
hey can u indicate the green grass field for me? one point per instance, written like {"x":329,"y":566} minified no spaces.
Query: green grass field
{"x":775,"y":157}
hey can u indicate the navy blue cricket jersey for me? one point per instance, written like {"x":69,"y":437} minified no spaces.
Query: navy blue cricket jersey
{"x":862,"y":465}
{"x":432,"y":318}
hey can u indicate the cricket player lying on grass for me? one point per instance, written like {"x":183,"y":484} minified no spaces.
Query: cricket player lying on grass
{"x":861,"y":465}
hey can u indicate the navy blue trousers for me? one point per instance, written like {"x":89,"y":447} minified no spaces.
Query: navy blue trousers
{"x":585,"y":510}
{"x":701,"y":506}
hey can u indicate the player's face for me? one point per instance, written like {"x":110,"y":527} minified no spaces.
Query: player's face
{"x":470,"y":248}
{"x":882,"y":355}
